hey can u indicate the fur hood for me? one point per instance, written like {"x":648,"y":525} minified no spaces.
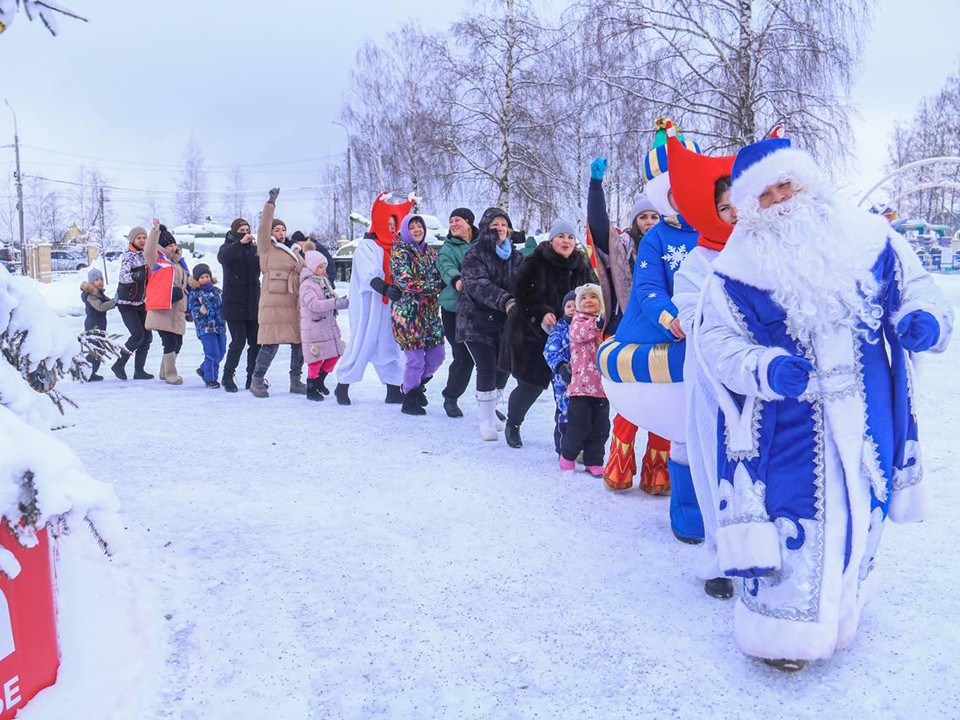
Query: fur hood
{"x":89,"y":288}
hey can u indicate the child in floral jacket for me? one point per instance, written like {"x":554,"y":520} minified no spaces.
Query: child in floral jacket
{"x":588,"y":414}
{"x":557,"y":354}
{"x":205,"y":305}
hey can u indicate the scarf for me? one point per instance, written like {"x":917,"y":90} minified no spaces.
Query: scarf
{"x":386,"y":246}
{"x":504,"y":250}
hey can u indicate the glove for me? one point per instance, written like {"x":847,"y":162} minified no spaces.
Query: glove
{"x":342,"y":303}
{"x":789,"y":375}
{"x":563,"y":370}
{"x":918,"y":331}
{"x":273,"y":195}
{"x":389,"y":291}
{"x":598,"y":168}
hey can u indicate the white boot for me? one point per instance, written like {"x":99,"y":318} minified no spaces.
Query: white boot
{"x":171,"y":376}
{"x":501,"y":424}
{"x":487,"y":411}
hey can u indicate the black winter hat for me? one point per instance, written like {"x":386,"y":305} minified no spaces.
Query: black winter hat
{"x":201,"y":269}
{"x":464,"y":213}
{"x":489,"y":214}
{"x":235,"y":225}
{"x":297,"y":237}
{"x":166,"y":237}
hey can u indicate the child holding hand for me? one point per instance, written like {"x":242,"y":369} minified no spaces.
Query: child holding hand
{"x":205,"y":305}
{"x":588,"y":413}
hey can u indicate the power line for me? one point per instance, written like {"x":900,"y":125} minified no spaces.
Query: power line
{"x":154,"y":191}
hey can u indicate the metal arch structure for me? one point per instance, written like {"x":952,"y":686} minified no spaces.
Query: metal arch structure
{"x":943,"y":160}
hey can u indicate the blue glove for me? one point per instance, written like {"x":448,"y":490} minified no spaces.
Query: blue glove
{"x":918,"y":331}
{"x":598,"y":168}
{"x":789,"y":375}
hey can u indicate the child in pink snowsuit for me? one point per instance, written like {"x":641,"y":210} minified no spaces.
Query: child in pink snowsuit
{"x":588,"y":415}
{"x":319,"y":332}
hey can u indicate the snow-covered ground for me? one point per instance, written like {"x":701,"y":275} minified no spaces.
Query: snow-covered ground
{"x":287,"y":559}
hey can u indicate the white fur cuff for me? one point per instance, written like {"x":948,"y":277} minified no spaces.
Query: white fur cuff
{"x":787,"y":164}
{"x":912,"y":504}
{"x":747,"y":546}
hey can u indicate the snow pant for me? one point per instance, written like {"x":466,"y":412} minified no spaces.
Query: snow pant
{"x":489,"y":375}
{"x":522,"y":398}
{"x":654,"y":474}
{"x":172,"y":343}
{"x":588,"y":425}
{"x":135,"y":319}
{"x":315,"y":368}
{"x":421,"y":363}
{"x":458,"y":375}
{"x":242,"y":332}
{"x":214,"y":348}
{"x":559,"y":428}
{"x":269,"y":352}
{"x":685,"y":518}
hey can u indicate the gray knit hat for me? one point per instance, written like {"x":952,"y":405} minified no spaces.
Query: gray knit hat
{"x":93,"y":274}
{"x":560,"y":227}
{"x":133,"y":234}
{"x":642,"y":204}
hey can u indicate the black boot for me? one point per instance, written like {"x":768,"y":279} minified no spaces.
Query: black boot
{"x":341,"y":392}
{"x":321,"y":380}
{"x":452,"y":409}
{"x":512,"y":435}
{"x":120,"y":366}
{"x":313,"y":389}
{"x":249,"y":380}
{"x":394,"y":395}
{"x":139,"y":360}
{"x":229,"y":384}
{"x":720,"y":588}
{"x":412,"y":403}
{"x":423,"y":391}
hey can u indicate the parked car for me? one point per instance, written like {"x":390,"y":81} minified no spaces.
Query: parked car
{"x":66,"y":260}
{"x":10,"y":259}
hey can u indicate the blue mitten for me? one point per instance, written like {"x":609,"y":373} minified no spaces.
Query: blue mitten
{"x":598,"y":168}
{"x":788,"y":375}
{"x":918,"y":331}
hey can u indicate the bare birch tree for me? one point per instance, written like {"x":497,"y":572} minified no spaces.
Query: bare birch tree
{"x":233,"y":200}
{"x":189,"y":203}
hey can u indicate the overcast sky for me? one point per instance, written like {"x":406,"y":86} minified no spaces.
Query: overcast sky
{"x":259,"y":83}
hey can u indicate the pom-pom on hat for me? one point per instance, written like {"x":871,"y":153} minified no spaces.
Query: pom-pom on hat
{"x":201,"y":269}
{"x":314,"y":259}
{"x":656,"y":160}
{"x":592,"y":289}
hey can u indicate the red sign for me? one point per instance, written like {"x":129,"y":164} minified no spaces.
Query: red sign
{"x":29,"y":655}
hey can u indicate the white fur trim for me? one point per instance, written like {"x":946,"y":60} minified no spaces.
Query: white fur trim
{"x":912,"y":504}
{"x":787,"y":164}
{"x":775,"y":639}
{"x":656,"y":191}
{"x":748,"y":545}
{"x":767,"y":392}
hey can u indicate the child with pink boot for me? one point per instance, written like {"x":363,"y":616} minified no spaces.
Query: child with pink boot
{"x":588,"y":415}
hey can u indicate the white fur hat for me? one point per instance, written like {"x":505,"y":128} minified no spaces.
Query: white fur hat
{"x":593,"y":289}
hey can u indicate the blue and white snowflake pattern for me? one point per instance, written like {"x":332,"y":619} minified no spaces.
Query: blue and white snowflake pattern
{"x":652,"y":295}
{"x":643,"y":264}
{"x":675,"y":255}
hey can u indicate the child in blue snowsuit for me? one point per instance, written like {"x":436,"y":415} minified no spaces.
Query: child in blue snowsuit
{"x":557,"y":354}
{"x":205,"y":305}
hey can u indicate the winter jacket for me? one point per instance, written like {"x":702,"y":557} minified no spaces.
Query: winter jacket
{"x":556,"y":352}
{"x":206,"y":297}
{"x":415,"y":317}
{"x":319,"y":332}
{"x":542,"y":281}
{"x":585,"y":337}
{"x":95,"y":303}
{"x":487,"y":284}
{"x":449,"y":262}
{"x":279,"y":309}
{"x":616,"y":256}
{"x":241,"y":279}
{"x":133,"y":277}
{"x":169,"y":273}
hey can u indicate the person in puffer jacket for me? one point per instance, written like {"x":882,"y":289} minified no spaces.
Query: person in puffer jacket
{"x":557,"y":354}
{"x":319,"y":332}
{"x":205,"y":304}
{"x":95,"y":304}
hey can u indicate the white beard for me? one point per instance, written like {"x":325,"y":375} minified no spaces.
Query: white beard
{"x":819,"y":273}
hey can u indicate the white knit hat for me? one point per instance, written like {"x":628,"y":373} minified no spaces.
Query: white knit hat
{"x":591,"y":288}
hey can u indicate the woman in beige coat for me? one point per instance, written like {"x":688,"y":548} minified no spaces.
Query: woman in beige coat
{"x":279,"y":309}
{"x":166,"y":300}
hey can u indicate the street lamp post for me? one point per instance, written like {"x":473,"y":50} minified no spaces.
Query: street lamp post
{"x":349,"y":233}
{"x":18,"y":176}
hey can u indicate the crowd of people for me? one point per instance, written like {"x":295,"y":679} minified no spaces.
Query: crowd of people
{"x":763,"y":327}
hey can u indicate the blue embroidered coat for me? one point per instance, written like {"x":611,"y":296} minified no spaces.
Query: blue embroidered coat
{"x":805,"y":484}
